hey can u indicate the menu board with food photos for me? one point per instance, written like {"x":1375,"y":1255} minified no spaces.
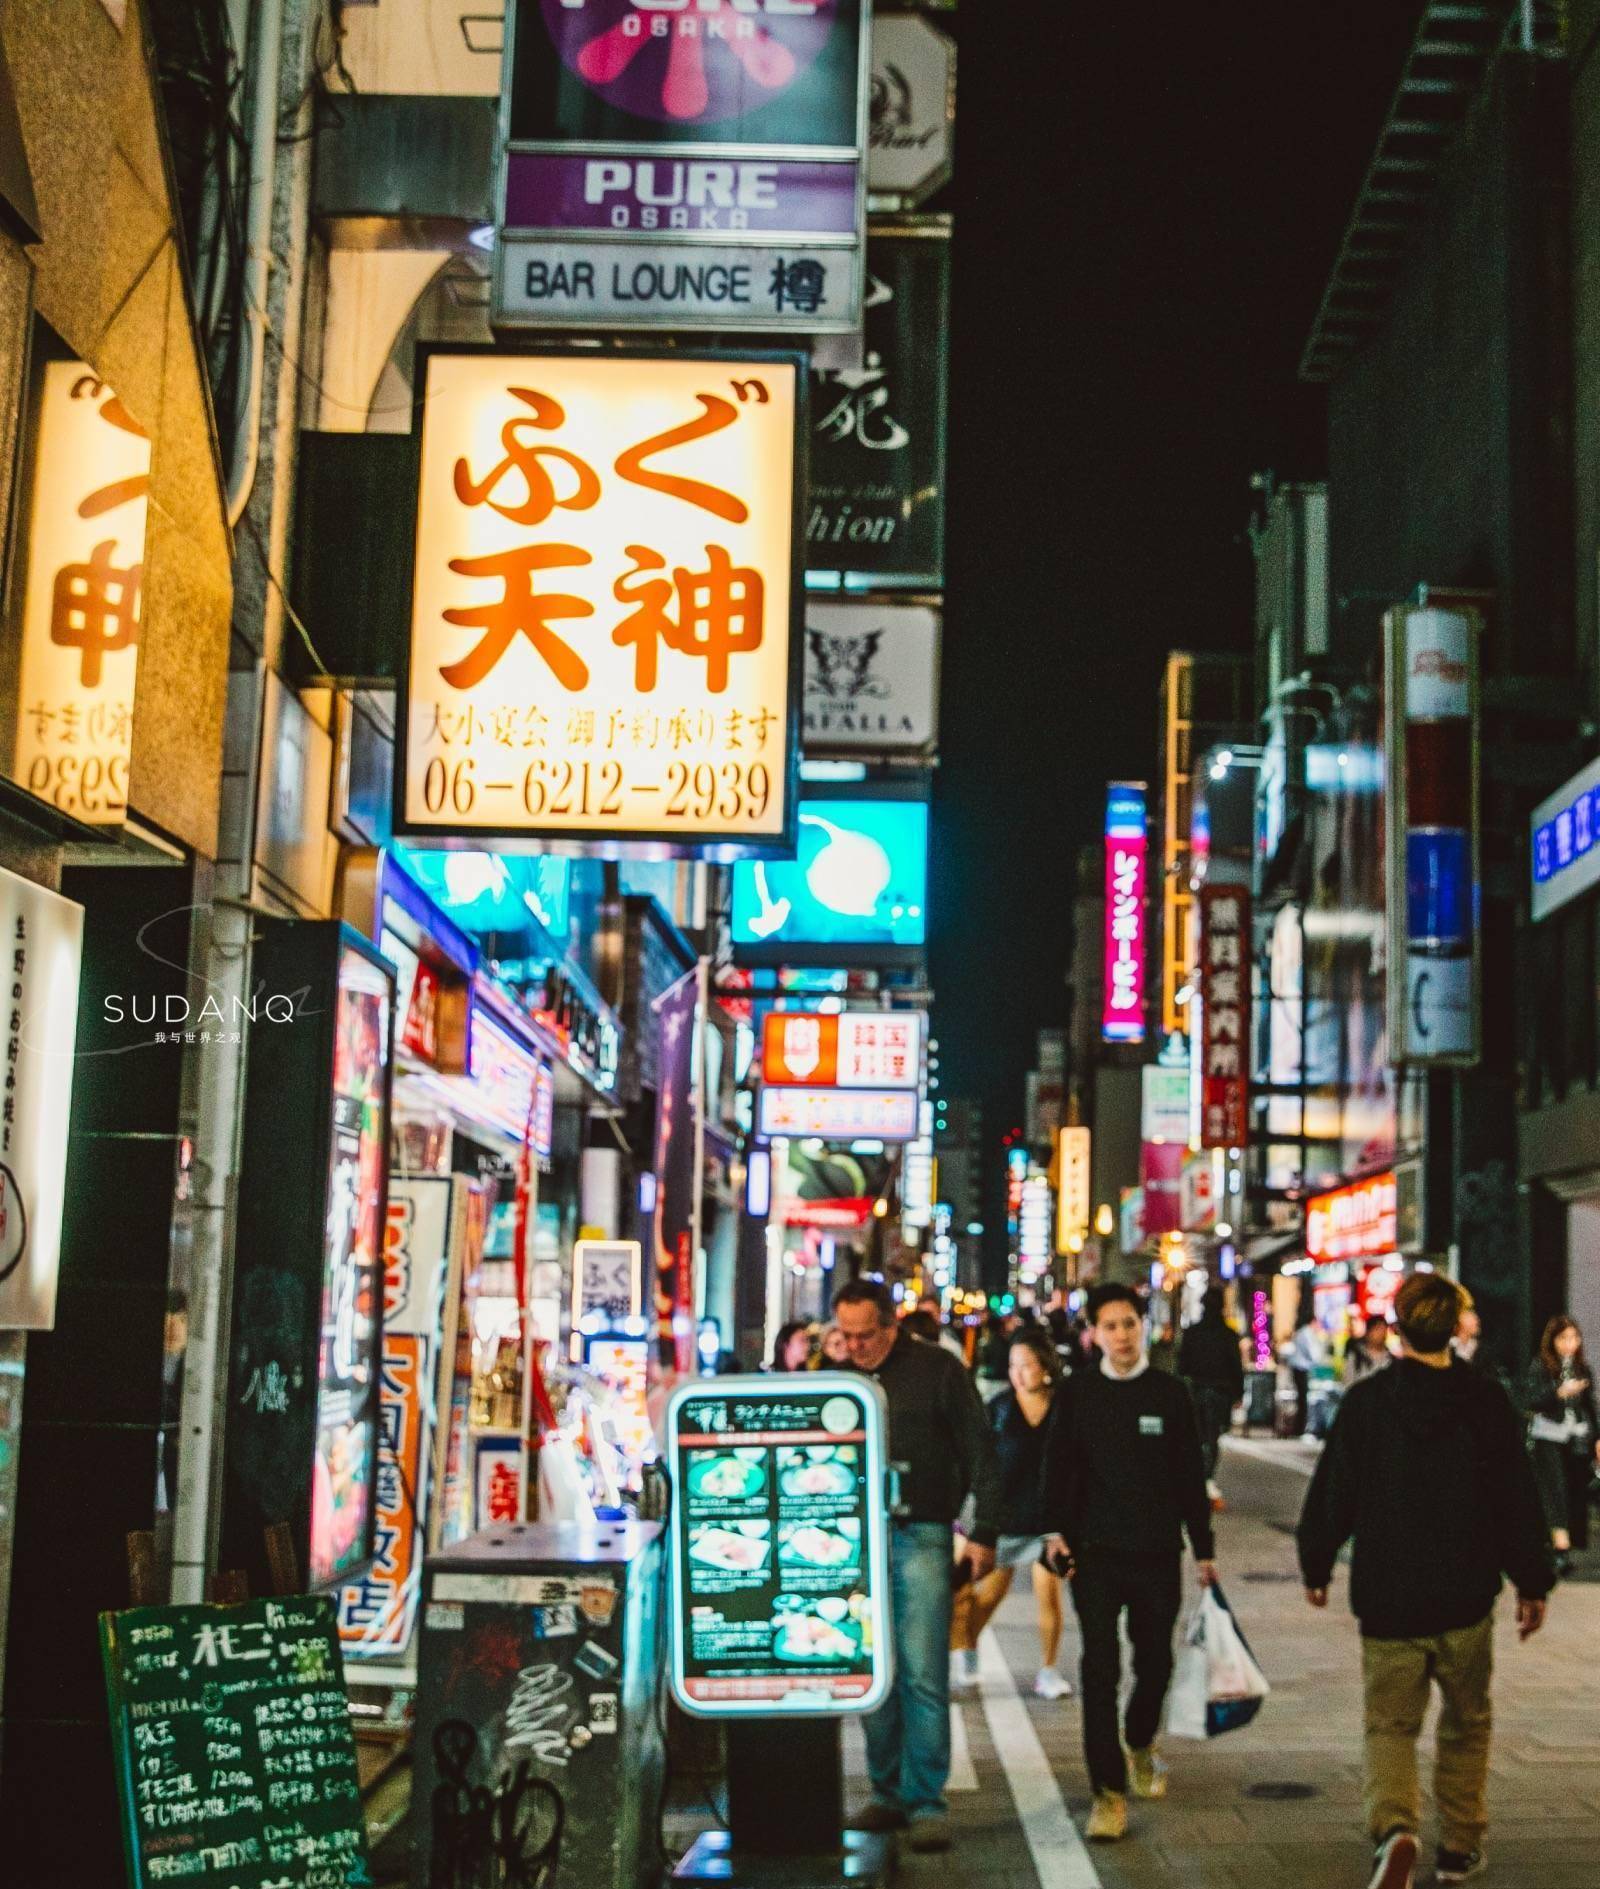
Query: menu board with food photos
{"x":779,"y":1546}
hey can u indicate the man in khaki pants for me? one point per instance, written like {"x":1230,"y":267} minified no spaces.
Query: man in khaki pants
{"x":1425,"y":1468}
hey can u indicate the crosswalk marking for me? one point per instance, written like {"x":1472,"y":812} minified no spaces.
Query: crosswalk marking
{"x":963,"y":1773}
{"x":1059,"y":1855}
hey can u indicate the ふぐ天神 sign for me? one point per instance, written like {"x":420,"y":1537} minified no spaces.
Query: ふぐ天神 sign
{"x":682,"y":163}
{"x":605,"y":635}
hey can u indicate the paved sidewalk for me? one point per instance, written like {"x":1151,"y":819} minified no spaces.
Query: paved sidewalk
{"x":1277,"y":1803}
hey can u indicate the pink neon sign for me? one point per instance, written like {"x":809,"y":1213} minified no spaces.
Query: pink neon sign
{"x":1122,"y":1010}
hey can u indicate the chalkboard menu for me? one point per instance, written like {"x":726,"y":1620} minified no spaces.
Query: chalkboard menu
{"x":236,"y":1766}
{"x":779,"y":1555}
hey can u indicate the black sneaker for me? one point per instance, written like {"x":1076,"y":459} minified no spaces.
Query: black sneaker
{"x":1394,"y":1866}
{"x":1458,"y":1865}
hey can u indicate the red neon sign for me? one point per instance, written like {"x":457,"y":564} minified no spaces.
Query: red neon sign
{"x":1355,"y":1222}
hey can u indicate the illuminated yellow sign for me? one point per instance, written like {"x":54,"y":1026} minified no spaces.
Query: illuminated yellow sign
{"x":1072,"y":1195}
{"x":601,"y":634}
{"x":81,"y":602}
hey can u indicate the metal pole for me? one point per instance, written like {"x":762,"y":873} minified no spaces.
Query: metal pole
{"x":258,"y":250}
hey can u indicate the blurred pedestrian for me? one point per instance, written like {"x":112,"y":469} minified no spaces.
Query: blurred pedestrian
{"x":922,"y":1326}
{"x":994,"y":1356}
{"x":1123,"y":1483}
{"x":833,"y":1350}
{"x":933,"y":1305}
{"x":1425,"y":1468}
{"x":1370,"y":1352}
{"x":1563,"y":1433}
{"x":1210,"y":1363}
{"x":1304,"y":1355}
{"x":791,"y":1349}
{"x":938,"y":1432}
{"x":1020,"y":1419}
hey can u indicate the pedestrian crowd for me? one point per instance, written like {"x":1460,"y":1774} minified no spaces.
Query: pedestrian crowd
{"x":1058,"y":1446}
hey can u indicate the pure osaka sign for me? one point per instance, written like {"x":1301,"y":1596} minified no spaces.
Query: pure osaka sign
{"x":674,"y":163}
{"x":605,"y":638}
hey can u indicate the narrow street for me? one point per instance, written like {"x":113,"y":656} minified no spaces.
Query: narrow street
{"x":1277,"y":1803}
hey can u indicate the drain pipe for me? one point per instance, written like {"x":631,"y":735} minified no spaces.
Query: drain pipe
{"x":258,"y":249}
{"x":1527,"y":26}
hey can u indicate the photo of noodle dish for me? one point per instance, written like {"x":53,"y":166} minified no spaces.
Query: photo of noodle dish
{"x":735,"y":1476}
{"x":742,"y":1549}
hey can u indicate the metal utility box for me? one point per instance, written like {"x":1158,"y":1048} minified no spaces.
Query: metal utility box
{"x":538,"y":1754}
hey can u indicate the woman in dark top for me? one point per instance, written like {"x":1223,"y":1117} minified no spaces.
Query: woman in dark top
{"x":1563,"y":1432}
{"x":1020,"y":1417}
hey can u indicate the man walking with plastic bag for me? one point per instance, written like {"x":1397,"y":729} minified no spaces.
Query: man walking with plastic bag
{"x":1426,"y":1470}
{"x":1123,"y":1482}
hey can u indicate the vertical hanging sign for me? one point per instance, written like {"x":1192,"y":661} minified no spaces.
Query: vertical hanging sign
{"x":1225,"y":1016}
{"x":1431,"y":736}
{"x":81,"y":602}
{"x":1122,"y":1010}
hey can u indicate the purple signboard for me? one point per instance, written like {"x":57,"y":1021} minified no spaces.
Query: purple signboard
{"x":703,"y":196}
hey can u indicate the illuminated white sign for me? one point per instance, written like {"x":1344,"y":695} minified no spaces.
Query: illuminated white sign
{"x":41,"y":936}
{"x":839,"y":1114}
{"x":601,"y":628}
{"x":81,"y":605}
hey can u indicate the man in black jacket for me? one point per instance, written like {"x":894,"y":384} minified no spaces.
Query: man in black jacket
{"x":1210,"y":1364}
{"x":938,"y":1433}
{"x":1425,"y":1468}
{"x":1123,"y":1482}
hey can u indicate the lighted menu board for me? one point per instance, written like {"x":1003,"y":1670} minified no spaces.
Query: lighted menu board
{"x":779,"y":1548}
{"x":236,"y":1766}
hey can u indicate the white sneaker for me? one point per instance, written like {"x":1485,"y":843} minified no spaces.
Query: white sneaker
{"x":1049,"y":1684}
{"x":964,"y":1670}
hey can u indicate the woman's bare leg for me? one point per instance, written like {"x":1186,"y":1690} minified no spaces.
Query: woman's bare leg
{"x":1047,"y":1592}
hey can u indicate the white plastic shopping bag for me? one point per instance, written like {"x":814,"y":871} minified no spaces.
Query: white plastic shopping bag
{"x":1217,"y":1685}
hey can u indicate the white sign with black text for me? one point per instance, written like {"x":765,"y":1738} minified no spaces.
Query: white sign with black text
{"x":872,"y":677}
{"x":41,"y":936}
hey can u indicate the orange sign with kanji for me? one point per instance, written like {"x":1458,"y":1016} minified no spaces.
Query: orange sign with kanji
{"x":851,"y":1049}
{"x":82,"y":601}
{"x":602,"y":622}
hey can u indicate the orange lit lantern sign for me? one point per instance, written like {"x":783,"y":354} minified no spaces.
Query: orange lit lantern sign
{"x":605,"y":628}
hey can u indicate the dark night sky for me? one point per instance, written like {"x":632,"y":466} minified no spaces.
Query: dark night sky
{"x":1148,"y":202}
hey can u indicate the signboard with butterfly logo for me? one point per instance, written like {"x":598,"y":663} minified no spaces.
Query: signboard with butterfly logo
{"x":698,"y":163}
{"x":872,"y":678}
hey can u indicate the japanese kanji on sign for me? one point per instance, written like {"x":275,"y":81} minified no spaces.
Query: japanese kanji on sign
{"x":1225,"y":1016}
{"x":81,"y":610}
{"x":606,"y":630}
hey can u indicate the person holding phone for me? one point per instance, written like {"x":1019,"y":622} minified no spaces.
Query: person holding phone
{"x":1124,"y":1481}
{"x":1563,"y":1434}
{"x":1020,"y":1419}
